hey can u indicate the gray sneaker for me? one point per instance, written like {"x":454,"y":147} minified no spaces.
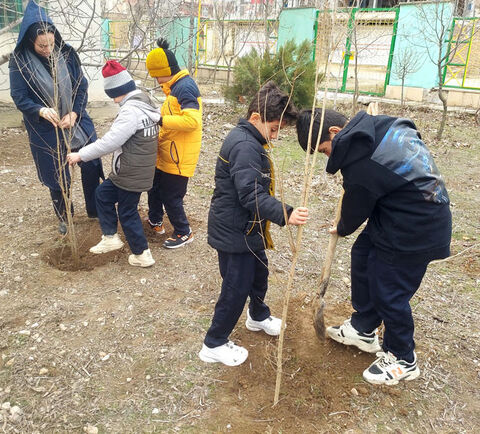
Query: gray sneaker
{"x":62,"y":228}
{"x":347,"y":335}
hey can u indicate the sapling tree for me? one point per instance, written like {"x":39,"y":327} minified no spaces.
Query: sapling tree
{"x":440,"y":43}
{"x":407,"y":62}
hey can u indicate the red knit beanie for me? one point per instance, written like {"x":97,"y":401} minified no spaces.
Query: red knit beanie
{"x":117,"y":81}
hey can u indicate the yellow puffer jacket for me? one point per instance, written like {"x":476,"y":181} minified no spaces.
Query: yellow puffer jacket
{"x":180,"y":135}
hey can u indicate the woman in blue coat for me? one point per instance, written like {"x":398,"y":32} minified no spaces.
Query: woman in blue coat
{"x":48,"y":87}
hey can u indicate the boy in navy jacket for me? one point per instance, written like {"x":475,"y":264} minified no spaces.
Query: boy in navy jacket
{"x":389,"y":178}
{"x":241,"y":210}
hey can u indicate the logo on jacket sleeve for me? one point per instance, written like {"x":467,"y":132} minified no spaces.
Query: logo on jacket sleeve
{"x":403,"y":152}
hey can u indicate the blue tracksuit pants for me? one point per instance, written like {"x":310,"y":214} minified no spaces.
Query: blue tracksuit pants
{"x":382,"y":292}
{"x":107,"y":195}
{"x":244,"y":275}
{"x":168,"y":191}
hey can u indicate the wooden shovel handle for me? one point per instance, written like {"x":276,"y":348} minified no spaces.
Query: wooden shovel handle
{"x":332,"y":244}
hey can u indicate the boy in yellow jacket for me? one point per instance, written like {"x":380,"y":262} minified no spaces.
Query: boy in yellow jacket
{"x":179,"y":143}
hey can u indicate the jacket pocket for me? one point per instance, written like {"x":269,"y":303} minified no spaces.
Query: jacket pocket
{"x":175,"y":156}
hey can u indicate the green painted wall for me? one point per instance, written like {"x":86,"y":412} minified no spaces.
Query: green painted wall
{"x":416,"y":32}
{"x":177,"y":33}
{"x":297,"y":24}
{"x":105,"y":35}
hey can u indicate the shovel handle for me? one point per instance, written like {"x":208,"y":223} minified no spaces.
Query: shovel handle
{"x":332,"y":244}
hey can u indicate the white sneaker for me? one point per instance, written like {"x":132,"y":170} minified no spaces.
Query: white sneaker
{"x":143,"y":260}
{"x":387,"y":369}
{"x":347,"y":335}
{"x":229,"y":354}
{"x":108,"y":244}
{"x":271,"y":326}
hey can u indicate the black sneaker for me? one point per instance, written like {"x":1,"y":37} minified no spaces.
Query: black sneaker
{"x":176,"y":241}
{"x":388,"y":370}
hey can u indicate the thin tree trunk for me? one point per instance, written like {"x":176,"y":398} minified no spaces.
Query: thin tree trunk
{"x":403,"y":87}
{"x":444,"y":98}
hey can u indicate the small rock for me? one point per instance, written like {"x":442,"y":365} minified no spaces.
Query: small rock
{"x":24,"y":332}
{"x":15,"y":417}
{"x":354,"y":391}
{"x":43,"y":371}
{"x":16,"y":410}
{"x":85,"y":323}
{"x":105,"y":358}
{"x":63,"y":327}
{"x":90,"y":429}
{"x":3,"y":292}
{"x":148,"y":377}
{"x":22,"y":258}
{"x":129,"y":379}
{"x":34,"y":255}
{"x":419,"y":413}
{"x":362,"y":390}
{"x":155,"y":411}
{"x":6,"y":406}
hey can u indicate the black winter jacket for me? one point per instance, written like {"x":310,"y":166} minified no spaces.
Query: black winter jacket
{"x":389,"y":177}
{"x":241,"y":202}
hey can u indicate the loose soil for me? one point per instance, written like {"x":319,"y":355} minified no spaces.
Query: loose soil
{"x":102,"y":344}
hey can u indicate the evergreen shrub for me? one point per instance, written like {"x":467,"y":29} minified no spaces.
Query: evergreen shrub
{"x":291,"y":65}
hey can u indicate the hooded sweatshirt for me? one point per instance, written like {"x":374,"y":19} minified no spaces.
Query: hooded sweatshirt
{"x":390,"y":178}
{"x":133,"y":140}
{"x":28,"y":96}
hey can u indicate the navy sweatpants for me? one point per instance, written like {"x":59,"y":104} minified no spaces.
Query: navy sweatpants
{"x":168,"y":191}
{"x":382,"y":292}
{"x":107,"y":195}
{"x":91,"y":172}
{"x":244,"y":275}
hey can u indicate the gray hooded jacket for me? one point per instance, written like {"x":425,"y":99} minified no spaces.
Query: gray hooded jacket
{"x":133,"y":139}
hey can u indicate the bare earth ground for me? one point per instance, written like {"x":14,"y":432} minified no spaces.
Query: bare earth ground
{"x":115,"y":347}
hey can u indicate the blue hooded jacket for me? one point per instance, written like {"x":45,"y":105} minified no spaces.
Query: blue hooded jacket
{"x":26,"y":96}
{"x":390,"y":178}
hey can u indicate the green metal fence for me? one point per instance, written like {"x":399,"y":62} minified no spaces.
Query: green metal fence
{"x":462,"y":69}
{"x":363,"y":45}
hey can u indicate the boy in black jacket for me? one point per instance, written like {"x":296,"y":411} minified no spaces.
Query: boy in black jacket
{"x":242,"y":207}
{"x":389,"y":178}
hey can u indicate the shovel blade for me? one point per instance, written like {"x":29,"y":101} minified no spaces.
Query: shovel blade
{"x":318,"y":318}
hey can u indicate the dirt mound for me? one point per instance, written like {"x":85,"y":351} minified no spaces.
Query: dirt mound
{"x":319,"y":378}
{"x":88,"y":234}
{"x":60,"y":255}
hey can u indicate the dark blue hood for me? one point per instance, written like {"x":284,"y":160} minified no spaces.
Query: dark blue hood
{"x":357,"y":140}
{"x":35,"y":14}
